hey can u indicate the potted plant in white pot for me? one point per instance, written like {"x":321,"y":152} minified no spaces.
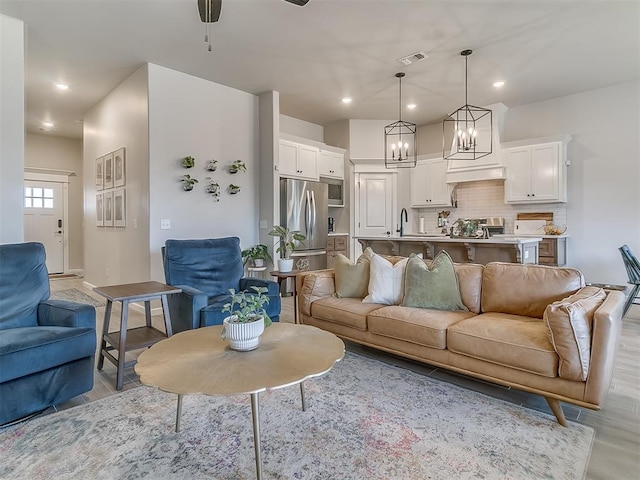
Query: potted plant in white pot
{"x":247,"y":319}
{"x":257,"y":255}
{"x":286,"y":245}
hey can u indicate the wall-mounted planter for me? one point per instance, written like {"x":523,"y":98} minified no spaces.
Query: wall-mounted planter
{"x":188,"y":162}
{"x":233,"y":189}
{"x":213,"y":189}
{"x":237,"y":166}
{"x":188,"y":182}
{"x":212,"y":165}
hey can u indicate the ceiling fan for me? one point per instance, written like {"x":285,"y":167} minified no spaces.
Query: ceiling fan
{"x":210,"y":9}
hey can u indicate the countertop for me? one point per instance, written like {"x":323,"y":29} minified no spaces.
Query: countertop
{"x":507,"y":240}
{"x":337,"y":234}
{"x":526,"y":235}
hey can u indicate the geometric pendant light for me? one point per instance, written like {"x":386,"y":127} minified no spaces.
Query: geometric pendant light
{"x":471,"y":127}
{"x":400,"y":141}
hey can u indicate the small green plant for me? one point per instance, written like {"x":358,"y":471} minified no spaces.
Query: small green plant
{"x":233,"y":189}
{"x":237,"y":166}
{"x":188,"y":182}
{"x":214,"y":189}
{"x":246,"y":307}
{"x":288,"y":239}
{"x":188,"y":162}
{"x":257,"y":252}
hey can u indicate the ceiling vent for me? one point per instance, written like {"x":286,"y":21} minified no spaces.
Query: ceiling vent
{"x":413,"y":58}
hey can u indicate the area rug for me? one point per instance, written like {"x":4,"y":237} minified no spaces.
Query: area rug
{"x":366,"y":420}
{"x":75,"y":295}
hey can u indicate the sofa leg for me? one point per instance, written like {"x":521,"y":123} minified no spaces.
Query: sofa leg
{"x":556,"y":408}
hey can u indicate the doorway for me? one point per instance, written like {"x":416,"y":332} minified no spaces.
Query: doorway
{"x":45,"y":217}
{"x":375,"y":205}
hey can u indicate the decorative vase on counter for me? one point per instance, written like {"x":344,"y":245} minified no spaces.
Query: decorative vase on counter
{"x":285,"y":265}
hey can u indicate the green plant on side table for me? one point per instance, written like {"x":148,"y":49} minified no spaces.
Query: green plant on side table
{"x":257,"y":254}
{"x":247,"y":318}
{"x":286,"y":245}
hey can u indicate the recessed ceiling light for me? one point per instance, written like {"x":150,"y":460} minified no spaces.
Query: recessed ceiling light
{"x":62,"y":86}
{"x":347,"y":100}
{"x":47,"y":124}
{"x":498,"y":84}
{"x":411,"y":106}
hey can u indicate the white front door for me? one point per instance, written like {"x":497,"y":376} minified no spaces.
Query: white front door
{"x":375,"y":204}
{"x":44,"y":220}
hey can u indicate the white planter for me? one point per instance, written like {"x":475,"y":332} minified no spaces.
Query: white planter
{"x":258,"y":262}
{"x":244,"y":336}
{"x":285,"y":264}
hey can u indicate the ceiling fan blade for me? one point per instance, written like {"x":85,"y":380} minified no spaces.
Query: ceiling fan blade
{"x":300,"y":3}
{"x":209,"y":10}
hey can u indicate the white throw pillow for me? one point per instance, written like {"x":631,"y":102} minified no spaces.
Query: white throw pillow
{"x":386,"y":281}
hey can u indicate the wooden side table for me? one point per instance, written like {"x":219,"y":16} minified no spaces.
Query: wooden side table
{"x":282,"y":277}
{"x":255,"y":272}
{"x":140,"y":337}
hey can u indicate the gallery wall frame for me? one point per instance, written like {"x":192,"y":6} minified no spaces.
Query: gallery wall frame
{"x":108,"y":171}
{"x":99,"y":173}
{"x":99,"y":211}
{"x":119,"y":168}
{"x":120,"y":207}
{"x":107,"y":202}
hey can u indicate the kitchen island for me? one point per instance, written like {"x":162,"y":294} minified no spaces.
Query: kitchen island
{"x":461,"y":250}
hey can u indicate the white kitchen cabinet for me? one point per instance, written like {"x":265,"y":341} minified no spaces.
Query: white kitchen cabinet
{"x":429,"y":186}
{"x":331,"y":164}
{"x":536,"y":173}
{"x":298,"y":160}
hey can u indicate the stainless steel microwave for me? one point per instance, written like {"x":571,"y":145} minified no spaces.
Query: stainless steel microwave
{"x":336,"y":191}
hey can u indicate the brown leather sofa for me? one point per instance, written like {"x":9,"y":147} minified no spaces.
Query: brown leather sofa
{"x":502,"y":338}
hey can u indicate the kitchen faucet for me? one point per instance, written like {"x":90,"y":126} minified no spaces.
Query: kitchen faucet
{"x":406,"y":219}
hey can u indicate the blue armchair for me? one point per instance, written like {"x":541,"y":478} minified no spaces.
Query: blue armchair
{"x":205,"y":270}
{"x":47,"y":347}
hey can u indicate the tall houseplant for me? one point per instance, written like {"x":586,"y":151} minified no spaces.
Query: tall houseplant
{"x":286,"y":245}
{"x":247,"y":318}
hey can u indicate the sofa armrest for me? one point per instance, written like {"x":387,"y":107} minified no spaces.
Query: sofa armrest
{"x":272,"y":287}
{"x":313,"y":286}
{"x":185,"y":307}
{"x":60,"y":313}
{"x":605,"y":340}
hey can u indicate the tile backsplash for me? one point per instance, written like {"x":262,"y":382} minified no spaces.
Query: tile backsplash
{"x":486,"y":199}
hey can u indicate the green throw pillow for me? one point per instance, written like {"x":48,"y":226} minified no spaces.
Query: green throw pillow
{"x":352,"y":280}
{"x":432,"y":286}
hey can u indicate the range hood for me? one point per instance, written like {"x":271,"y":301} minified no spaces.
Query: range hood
{"x":489,"y":167}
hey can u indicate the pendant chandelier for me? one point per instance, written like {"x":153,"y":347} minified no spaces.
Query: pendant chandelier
{"x":400,"y":142}
{"x":471,"y":127}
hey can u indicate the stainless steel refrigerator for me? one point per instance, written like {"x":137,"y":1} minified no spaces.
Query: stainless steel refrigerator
{"x":304,"y":207}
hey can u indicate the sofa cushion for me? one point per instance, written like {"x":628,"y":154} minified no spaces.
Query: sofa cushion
{"x":345,"y":311}
{"x":352,"y":280}
{"x":27,"y":350}
{"x":386,"y":281}
{"x":416,"y":325}
{"x":526,"y":289}
{"x":510,"y":340}
{"x":432,"y":284}
{"x":569,"y":328}
{"x":470,"y":282}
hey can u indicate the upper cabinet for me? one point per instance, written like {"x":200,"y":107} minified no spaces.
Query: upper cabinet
{"x":429,"y":186}
{"x":331,"y":164}
{"x":298,"y":160}
{"x":536,"y":173}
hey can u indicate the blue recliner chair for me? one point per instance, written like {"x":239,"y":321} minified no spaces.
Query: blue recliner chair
{"x":205,"y":270}
{"x":47,"y":347}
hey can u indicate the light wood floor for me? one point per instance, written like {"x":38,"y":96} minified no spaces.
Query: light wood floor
{"x":616,"y":450}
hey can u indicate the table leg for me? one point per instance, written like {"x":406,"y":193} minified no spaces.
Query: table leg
{"x":302,"y":397}
{"x":105,"y":331}
{"x":147,"y":312}
{"x":255,"y":414}
{"x":166,"y":315}
{"x":122,"y":347}
{"x":178,"y":413}
{"x":295,"y":303}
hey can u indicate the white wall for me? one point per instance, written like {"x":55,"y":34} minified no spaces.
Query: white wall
{"x":119,"y":255}
{"x":12,"y":107}
{"x":603,"y":211}
{"x":301,"y":128}
{"x":45,"y":151}
{"x":192,"y":116}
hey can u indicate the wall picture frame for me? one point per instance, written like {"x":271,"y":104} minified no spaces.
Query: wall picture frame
{"x":119,"y":207}
{"x":99,"y":173}
{"x":108,"y":171}
{"x":107,"y":202}
{"x":99,"y":211}
{"x":119,"y":170}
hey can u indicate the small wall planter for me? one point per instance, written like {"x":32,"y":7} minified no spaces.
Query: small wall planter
{"x":188,"y":162}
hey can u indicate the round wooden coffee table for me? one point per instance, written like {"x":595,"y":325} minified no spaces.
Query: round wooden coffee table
{"x":199,"y":361}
